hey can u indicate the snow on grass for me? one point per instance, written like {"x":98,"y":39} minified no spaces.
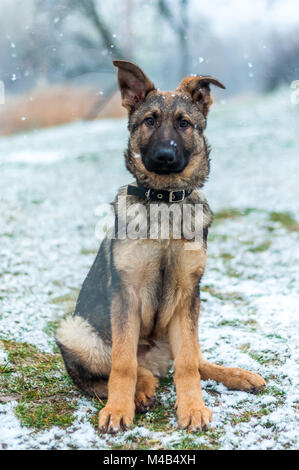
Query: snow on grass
{"x":3,"y":357}
{"x":28,"y":156}
{"x":51,"y":182}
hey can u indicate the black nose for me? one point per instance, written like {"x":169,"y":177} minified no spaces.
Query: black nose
{"x":165,"y":156}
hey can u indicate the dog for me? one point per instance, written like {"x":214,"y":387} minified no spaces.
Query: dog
{"x":138,"y":307}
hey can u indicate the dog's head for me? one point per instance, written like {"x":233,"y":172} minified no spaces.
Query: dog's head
{"x":167,"y":148}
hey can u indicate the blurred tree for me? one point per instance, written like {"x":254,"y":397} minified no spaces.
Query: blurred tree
{"x":72,"y":23}
{"x":46,"y":41}
{"x":128,"y":28}
{"x":178,"y":21}
{"x":283,"y":60}
{"x":90,"y":7}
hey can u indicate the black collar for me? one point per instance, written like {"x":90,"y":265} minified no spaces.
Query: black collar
{"x":161,"y":195}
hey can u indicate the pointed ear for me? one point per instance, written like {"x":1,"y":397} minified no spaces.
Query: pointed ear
{"x":198,"y":87}
{"x":133,"y":84}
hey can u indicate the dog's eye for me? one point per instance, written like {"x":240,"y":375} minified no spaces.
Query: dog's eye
{"x":150,"y":121}
{"x":184,"y":123}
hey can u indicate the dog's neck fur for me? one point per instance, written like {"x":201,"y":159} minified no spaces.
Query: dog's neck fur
{"x":195,"y":198}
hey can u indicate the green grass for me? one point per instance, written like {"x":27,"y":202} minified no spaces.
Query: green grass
{"x":226,"y":256}
{"x":232,"y":213}
{"x":286,"y":220}
{"x":46,"y":397}
{"x":46,"y":394}
{"x":87,"y":251}
{"x":238,"y":323}
{"x":265,"y":357}
{"x":71,"y":297}
{"x":51,"y":327}
{"x":67,"y":302}
{"x":225,"y":296}
{"x":261,"y":247}
{"x":246,"y":416}
{"x":161,"y":419}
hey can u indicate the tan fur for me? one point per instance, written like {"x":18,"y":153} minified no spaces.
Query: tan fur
{"x":191,"y":411}
{"x":182,"y":264}
{"x":80,"y":338}
{"x":195,"y":198}
{"x":157,"y":359}
{"x":128,"y":72}
{"x":119,"y":410}
{"x":154,"y":289}
{"x":199,"y":89}
{"x":196,"y":171}
{"x":233,"y":378}
{"x":138,"y":262}
{"x":145,"y":389}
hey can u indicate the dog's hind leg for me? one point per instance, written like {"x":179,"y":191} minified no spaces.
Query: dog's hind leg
{"x":145,"y":390}
{"x":233,"y":378}
{"x":152,"y":364}
{"x":86,"y":356}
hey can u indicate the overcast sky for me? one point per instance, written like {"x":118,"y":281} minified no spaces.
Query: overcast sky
{"x":227,"y":16}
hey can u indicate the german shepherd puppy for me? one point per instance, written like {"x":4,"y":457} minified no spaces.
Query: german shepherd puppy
{"x":139,"y":304}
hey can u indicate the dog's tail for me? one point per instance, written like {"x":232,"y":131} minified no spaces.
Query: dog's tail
{"x":86,"y":357}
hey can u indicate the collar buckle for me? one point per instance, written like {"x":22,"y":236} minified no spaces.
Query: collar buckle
{"x":177,"y":200}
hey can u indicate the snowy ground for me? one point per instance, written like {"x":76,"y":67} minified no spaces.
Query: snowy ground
{"x":51,"y":183}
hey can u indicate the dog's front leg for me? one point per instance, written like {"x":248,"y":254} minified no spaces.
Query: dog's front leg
{"x":183,"y":336}
{"x":120,"y":408}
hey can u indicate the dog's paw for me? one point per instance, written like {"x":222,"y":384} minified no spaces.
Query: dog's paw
{"x":195,"y":418}
{"x":240,"y":379}
{"x":112,"y":419}
{"x":144,"y":402}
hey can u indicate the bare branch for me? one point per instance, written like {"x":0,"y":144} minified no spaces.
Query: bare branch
{"x":92,"y":13}
{"x":166,"y":12}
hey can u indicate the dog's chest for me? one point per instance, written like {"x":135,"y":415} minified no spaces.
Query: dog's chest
{"x":159,"y":272}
